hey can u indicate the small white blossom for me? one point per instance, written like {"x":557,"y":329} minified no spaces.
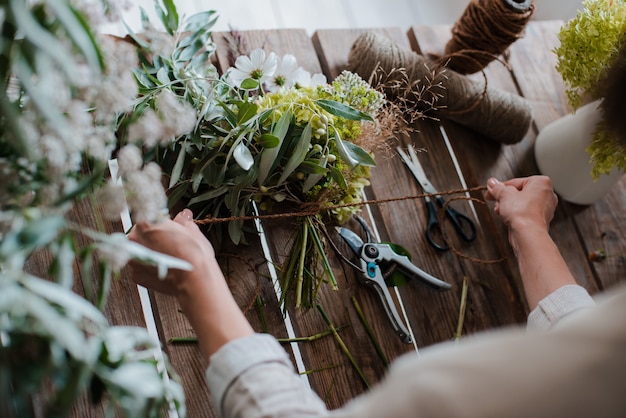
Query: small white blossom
{"x":303,"y":78}
{"x":178,"y":117}
{"x":129,"y":159}
{"x":111,"y":197}
{"x":256,"y":67}
{"x":112,"y":253}
{"x":284,"y":76}
{"x":147,"y":129}
{"x":145,"y":196}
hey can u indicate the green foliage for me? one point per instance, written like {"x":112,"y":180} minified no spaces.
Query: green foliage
{"x":589,"y":45}
{"x":606,"y":152}
{"x":248,"y":144}
{"x":56,"y":345}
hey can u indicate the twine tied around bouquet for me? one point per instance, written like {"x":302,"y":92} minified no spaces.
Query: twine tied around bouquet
{"x":484,"y":31}
{"x":315,"y":208}
{"x":498,"y":115}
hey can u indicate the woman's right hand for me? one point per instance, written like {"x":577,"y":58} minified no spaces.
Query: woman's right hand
{"x":522,"y":202}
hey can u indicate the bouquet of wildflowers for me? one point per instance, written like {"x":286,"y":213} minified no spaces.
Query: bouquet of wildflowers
{"x":263,"y":135}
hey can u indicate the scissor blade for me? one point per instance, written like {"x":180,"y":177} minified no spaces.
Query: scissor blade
{"x":354,"y":241}
{"x":416,"y":168}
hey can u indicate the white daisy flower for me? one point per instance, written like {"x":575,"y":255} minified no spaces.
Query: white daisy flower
{"x":256,"y":67}
{"x":285,"y":74}
{"x":303,"y":78}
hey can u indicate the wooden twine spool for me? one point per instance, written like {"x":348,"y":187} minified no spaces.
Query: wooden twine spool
{"x":484,"y":31}
{"x":496,"y":114}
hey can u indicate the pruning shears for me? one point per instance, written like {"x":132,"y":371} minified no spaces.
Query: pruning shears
{"x":378,"y":261}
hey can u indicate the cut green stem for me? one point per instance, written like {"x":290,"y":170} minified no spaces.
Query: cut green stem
{"x":459,"y":327}
{"x":343,"y":345}
{"x":303,"y":251}
{"x":370,"y":332}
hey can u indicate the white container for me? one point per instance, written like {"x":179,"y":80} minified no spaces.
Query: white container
{"x":560,"y":153}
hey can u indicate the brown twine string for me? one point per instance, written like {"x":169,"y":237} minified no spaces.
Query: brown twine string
{"x":498,"y":115}
{"x":444,"y":233}
{"x":316,"y":207}
{"x":484,"y":31}
{"x":312,"y":212}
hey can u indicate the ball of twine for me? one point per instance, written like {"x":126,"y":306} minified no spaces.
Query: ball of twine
{"x":484,"y":31}
{"x":441,"y":92}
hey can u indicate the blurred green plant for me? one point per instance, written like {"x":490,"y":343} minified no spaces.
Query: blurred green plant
{"x":63,"y":88}
{"x":589,"y":45}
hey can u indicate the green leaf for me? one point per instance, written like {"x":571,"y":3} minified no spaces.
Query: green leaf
{"x":229,"y":115}
{"x":247,"y":110}
{"x":177,"y":193}
{"x":62,"y":267}
{"x":312,"y":179}
{"x":268,"y":155}
{"x":342,"y":110}
{"x":178,"y":166}
{"x":35,"y":234}
{"x":268,"y":141}
{"x":361,"y":156}
{"x":336,"y":174}
{"x":79,"y":31}
{"x":299,"y":153}
{"x":45,"y":42}
{"x":312,"y":167}
{"x":185,"y":53}
{"x":162,"y":76}
{"x":75,"y":307}
{"x":203,"y":20}
{"x":249,"y":84}
{"x":169,"y":16}
{"x":209,"y":195}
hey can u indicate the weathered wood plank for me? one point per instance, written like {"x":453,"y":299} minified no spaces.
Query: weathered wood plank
{"x":484,"y":159}
{"x":600,"y":225}
{"x":435,"y":315}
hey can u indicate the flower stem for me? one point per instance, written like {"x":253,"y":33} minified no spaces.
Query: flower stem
{"x":300,"y":277}
{"x":343,"y":345}
{"x":320,"y":250}
{"x":459,"y":327}
{"x":370,"y":332}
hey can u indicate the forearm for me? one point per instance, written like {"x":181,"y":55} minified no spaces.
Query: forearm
{"x":211,"y":309}
{"x":541,"y":265}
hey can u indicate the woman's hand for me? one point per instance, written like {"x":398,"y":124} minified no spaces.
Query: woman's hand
{"x":522,"y":202}
{"x":180,"y":238}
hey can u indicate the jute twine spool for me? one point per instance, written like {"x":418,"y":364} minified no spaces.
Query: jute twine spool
{"x":494,"y":113}
{"x":484,"y":31}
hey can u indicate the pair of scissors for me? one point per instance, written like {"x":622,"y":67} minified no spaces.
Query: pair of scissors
{"x":463,"y":225}
{"x":377,"y":261}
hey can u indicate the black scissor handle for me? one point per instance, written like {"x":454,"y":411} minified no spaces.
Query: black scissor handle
{"x":433,"y":228}
{"x":463,"y":225}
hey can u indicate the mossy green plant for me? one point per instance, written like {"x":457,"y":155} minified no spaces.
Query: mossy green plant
{"x":589,"y":45}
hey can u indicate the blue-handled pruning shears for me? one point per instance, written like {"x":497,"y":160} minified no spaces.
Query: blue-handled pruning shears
{"x":463,"y":225}
{"x":375,"y":260}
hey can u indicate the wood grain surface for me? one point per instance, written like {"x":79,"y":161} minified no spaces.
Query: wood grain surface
{"x":459,"y":159}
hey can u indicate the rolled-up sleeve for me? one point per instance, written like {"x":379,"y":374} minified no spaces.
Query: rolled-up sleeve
{"x":557,"y":305}
{"x":254,"y":377}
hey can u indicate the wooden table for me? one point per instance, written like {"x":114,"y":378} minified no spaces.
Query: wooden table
{"x":495,"y":295}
